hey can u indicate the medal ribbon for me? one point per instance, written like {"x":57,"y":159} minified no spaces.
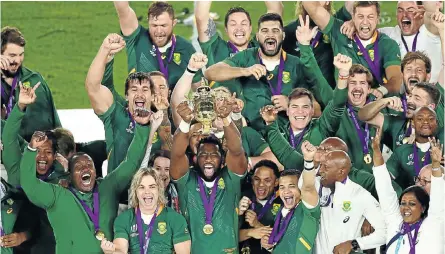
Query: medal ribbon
{"x":232,"y":47}
{"x":363,"y":139}
{"x":411,"y":239}
{"x":164,"y":68}
{"x":143,"y":244}
{"x":265,"y":208}
{"x":414,"y":46}
{"x":277,"y":231}
{"x":133,"y":124}
{"x":94,"y":215}
{"x":9,"y":105}
{"x":404,"y":104}
{"x":409,"y":129}
{"x":292,"y":137}
{"x":208,"y":203}
{"x":417,"y":168}
{"x":2,"y":232}
{"x":277,"y":90}
{"x":374,"y":66}
{"x":316,"y":39}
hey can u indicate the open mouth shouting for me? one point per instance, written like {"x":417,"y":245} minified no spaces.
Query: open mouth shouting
{"x":411,"y":106}
{"x":148,"y":200}
{"x":85,"y":179}
{"x":261,"y":192}
{"x":270,"y":44}
{"x":406,"y":24}
{"x":209,"y":170}
{"x":357,"y":95}
{"x":139,"y":103}
{"x":42,"y":166}
{"x":289,"y":200}
{"x":240,"y":35}
{"x":413,"y":81}
{"x":365,"y":29}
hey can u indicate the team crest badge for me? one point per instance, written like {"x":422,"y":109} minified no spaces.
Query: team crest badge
{"x":177,"y":58}
{"x":221,"y":184}
{"x":325,"y":38}
{"x":132,"y":71}
{"x":275,"y":208}
{"x":162,"y":227}
{"x":27,"y":85}
{"x":371,"y":54}
{"x":346,"y":206}
{"x":286,"y":77}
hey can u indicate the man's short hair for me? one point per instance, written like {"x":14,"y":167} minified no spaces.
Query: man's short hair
{"x":157,"y":8}
{"x":301,"y":92}
{"x":270,"y":17}
{"x":157,"y":154}
{"x":12,"y":35}
{"x":65,"y":141}
{"x":290,"y":172}
{"x":236,"y":10}
{"x":416,"y":55}
{"x":360,"y":69}
{"x":432,"y":91}
{"x":366,"y":4}
{"x":268,"y":164}
{"x":140,"y":77}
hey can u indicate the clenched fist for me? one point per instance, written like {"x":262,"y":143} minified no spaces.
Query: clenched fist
{"x":197,"y":61}
{"x":257,"y":70}
{"x":185,"y":112}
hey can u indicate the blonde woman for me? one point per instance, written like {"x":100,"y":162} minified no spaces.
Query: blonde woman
{"x":148,"y":226}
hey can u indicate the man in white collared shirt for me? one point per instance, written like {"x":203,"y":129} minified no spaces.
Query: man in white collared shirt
{"x":344,"y":207}
{"x":416,"y":34}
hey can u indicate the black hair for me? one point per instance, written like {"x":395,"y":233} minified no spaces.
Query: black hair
{"x":268,"y":164}
{"x":432,"y":91}
{"x":51,"y":137}
{"x":74,"y":159}
{"x":421,"y":195}
{"x":291,"y":172}
{"x":157,"y":154}
{"x":270,"y":17}
{"x":235,"y":10}
{"x":139,"y":76}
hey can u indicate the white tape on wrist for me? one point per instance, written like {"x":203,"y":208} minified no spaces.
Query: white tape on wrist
{"x":32,"y":149}
{"x":309,"y":165}
{"x":236,"y":116}
{"x":184,"y":127}
{"x":383,"y":90}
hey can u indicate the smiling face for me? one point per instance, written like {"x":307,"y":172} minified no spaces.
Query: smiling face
{"x":328,"y":172}
{"x":209,"y":161}
{"x":414,"y":73}
{"x":289,"y":192}
{"x":264,"y":182}
{"x":147,"y":193}
{"x":270,"y":37}
{"x":410,"y":208}
{"x":424,"y":178}
{"x":365,"y":21}
{"x":238,"y":28}
{"x":160,"y":86}
{"x":405,"y":17}
{"x":416,"y":99}
{"x":16,"y":54}
{"x":358,"y":89}
{"x":45,"y":157}
{"x":139,"y":95}
{"x":161,"y":28}
{"x":83,"y":173}
{"x":425,"y":122}
{"x":300,"y":112}
{"x":161,"y":166}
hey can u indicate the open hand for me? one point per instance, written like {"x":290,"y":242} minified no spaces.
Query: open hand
{"x":304,"y":33}
{"x":38,"y":139}
{"x":12,"y":240}
{"x":436,"y":151}
{"x":27,"y":95}
{"x":269,"y":114}
{"x":348,"y":29}
{"x":156,"y":119}
{"x":243,"y":205}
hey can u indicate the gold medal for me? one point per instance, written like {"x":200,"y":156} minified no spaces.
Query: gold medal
{"x":367,"y":158}
{"x":208,"y":229}
{"x":10,"y":210}
{"x":99,"y":235}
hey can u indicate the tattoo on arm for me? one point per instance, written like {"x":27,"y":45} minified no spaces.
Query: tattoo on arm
{"x":211,"y":28}
{"x":239,"y":124}
{"x":166,"y":142}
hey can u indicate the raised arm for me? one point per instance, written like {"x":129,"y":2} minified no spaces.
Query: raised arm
{"x":40,"y":193}
{"x":436,"y":209}
{"x":122,"y":175}
{"x":393,"y":74}
{"x":437,"y":20}
{"x":309,"y":193}
{"x":317,"y":13}
{"x":204,"y":23}
{"x":179,"y":163}
{"x":274,"y":7}
{"x":155,"y":121}
{"x":235,"y":158}
{"x":370,"y":113}
{"x":184,"y":85}
{"x":128,"y":20}
{"x":100,"y":96}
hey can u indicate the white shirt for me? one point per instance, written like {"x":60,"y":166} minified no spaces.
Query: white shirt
{"x":270,"y":65}
{"x":431,"y":236}
{"x":426,"y":42}
{"x":339,"y":223}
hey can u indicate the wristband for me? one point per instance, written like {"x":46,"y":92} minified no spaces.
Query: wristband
{"x":227,"y":121}
{"x":184,"y":126}
{"x":191,"y":71}
{"x":236,"y":116}
{"x":308,"y":165}
{"x":383,"y":90}
{"x":32,"y":149}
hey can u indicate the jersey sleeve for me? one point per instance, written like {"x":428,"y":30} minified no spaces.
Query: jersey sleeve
{"x":209,"y":48}
{"x":121,"y":227}
{"x":179,"y":228}
{"x":107,"y":119}
{"x":237,"y":60}
{"x":255,"y":141}
{"x":333,"y":29}
{"x":391,"y":53}
{"x":130,"y":45}
{"x":331,"y":117}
